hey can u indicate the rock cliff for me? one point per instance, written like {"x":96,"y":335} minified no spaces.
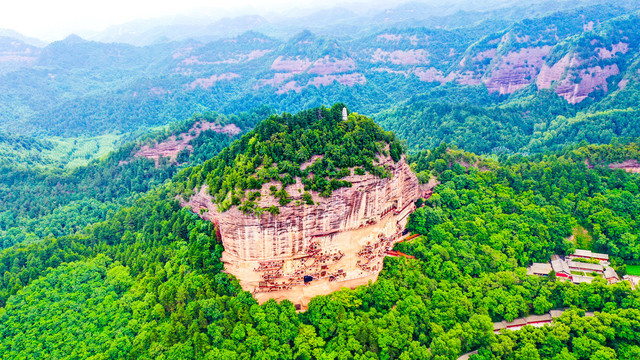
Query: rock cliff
{"x":307,"y":250}
{"x":171,"y":147}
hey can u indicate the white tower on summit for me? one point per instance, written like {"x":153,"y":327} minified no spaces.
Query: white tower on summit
{"x":344,"y":114}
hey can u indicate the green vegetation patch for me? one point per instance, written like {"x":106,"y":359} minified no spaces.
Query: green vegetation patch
{"x":633,"y":270}
{"x":330,"y":149}
{"x":51,"y":200}
{"x":147,"y":282}
{"x":581,"y":238}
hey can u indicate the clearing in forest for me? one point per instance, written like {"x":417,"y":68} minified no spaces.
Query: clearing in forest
{"x":581,"y":238}
{"x":633,"y":270}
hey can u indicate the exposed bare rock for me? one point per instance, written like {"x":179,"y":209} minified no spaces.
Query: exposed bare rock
{"x":478,"y":61}
{"x":327,"y":65}
{"x":340,"y":241}
{"x":294,"y":65}
{"x":433,"y":75}
{"x":206,"y":83}
{"x":17,"y":53}
{"x":401,"y":57}
{"x":243,"y":57}
{"x":468,"y":78}
{"x":389,"y":37}
{"x":290,"y":86}
{"x":632,"y":166}
{"x":516,"y":70}
{"x":588,"y":26}
{"x":623,"y":84}
{"x":277,"y":79}
{"x":487,"y":54}
{"x":325,"y":80}
{"x":604,"y":53}
{"x":194,"y":60}
{"x":549,"y":75}
{"x":344,"y":79}
{"x":176,"y":143}
{"x":183,"y":51}
{"x":158,"y":90}
{"x":591,"y":79}
{"x":16,"y":58}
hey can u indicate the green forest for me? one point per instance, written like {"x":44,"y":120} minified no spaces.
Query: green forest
{"x":521,"y":123}
{"x":53,"y":200}
{"x":147,"y":282}
{"x":276,"y":149}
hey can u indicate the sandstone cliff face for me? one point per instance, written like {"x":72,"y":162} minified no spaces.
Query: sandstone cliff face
{"x":339,"y":241}
{"x":516,"y":70}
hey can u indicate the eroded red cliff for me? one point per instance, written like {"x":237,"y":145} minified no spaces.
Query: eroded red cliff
{"x":340,"y":241}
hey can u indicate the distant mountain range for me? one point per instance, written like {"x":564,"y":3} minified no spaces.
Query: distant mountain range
{"x":76,"y":86}
{"x":350,"y":20}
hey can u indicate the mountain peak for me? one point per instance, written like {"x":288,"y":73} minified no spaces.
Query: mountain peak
{"x":25,"y":39}
{"x":73,"y":39}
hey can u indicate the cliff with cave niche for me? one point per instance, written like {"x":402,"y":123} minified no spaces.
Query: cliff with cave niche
{"x":309,"y":250}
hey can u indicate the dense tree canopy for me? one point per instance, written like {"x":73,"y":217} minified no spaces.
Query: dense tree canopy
{"x":147,"y":282}
{"x":279,"y":146}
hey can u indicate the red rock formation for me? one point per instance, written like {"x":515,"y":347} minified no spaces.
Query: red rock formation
{"x":159,"y":91}
{"x":632,"y":166}
{"x":19,"y":54}
{"x":431,"y":75}
{"x":327,"y":65}
{"x":389,"y":37}
{"x":277,"y":79}
{"x":401,"y":57}
{"x":173,"y":145}
{"x":548,"y":75}
{"x":516,"y":70}
{"x":340,"y":241}
{"x":344,"y":79}
{"x":468,"y":78}
{"x":591,"y":79}
{"x":195,"y":60}
{"x":243,"y":57}
{"x":296,"y":65}
{"x":623,"y":84}
{"x":289,"y":86}
{"x":604,"y":53}
{"x":487,"y":54}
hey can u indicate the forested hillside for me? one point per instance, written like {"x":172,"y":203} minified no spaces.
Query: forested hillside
{"x":41,"y":201}
{"x":586,"y":55}
{"x":147,"y":281}
{"x":520,"y":120}
{"x":318,"y":146}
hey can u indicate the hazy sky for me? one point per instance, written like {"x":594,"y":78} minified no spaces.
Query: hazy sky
{"x":54,"y":19}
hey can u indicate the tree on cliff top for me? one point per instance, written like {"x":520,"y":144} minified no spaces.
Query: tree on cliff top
{"x":315,"y":145}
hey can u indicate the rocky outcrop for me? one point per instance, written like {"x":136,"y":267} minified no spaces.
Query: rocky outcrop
{"x":516,"y":70}
{"x":631,"y":166}
{"x":344,"y":79}
{"x":578,"y":87}
{"x":328,"y":65}
{"x":604,"y":53}
{"x":294,"y":65}
{"x":206,"y":83}
{"x":15,"y":54}
{"x":171,"y":147}
{"x":551,"y":74}
{"x":307,"y":250}
{"x":401,"y":57}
